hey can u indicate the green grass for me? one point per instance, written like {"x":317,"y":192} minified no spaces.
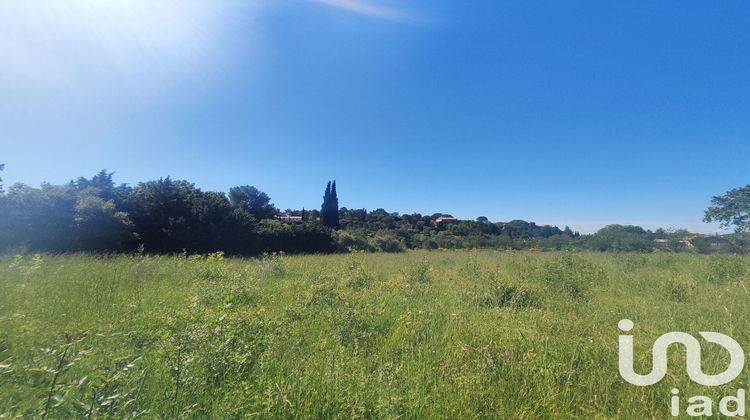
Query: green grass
{"x":440,"y":334}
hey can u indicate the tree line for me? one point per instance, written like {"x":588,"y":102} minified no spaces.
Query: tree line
{"x":161,"y":216}
{"x":171,"y":216}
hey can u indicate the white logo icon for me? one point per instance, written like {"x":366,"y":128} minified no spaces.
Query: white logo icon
{"x":693,"y":352}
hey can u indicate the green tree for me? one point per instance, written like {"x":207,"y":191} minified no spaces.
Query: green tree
{"x":255,"y":201}
{"x":101,"y":181}
{"x":2,"y":167}
{"x":170,"y":216}
{"x":103,"y":186}
{"x":101,"y":227}
{"x":329,"y":211}
{"x":305,"y":238}
{"x":334,"y":209}
{"x":325,"y":205}
{"x":165,"y":214}
{"x":731,"y":209}
{"x":386,"y":241}
{"x":39,"y":219}
{"x":621,"y":238}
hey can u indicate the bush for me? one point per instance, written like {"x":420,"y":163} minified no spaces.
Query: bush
{"x":346,"y":241}
{"x":357,"y":276}
{"x":387,"y":242}
{"x":270,"y":266}
{"x":571,"y":275}
{"x":620,"y":238}
{"x":727,"y":268}
{"x":352,"y":329}
{"x":514,"y":297}
{"x":306,"y":238}
{"x":324,"y":295}
{"x":420,"y":273}
{"x":679,"y":291}
{"x":210,"y":267}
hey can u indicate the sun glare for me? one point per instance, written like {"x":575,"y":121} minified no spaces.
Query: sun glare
{"x":63,"y":40}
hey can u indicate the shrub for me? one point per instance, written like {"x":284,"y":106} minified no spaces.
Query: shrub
{"x":357,"y":276}
{"x":351,"y":329}
{"x":324,"y":295}
{"x":620,"y":238}
{"x":346,"y":241}
{"x":679,"y":292}
{"x":270,"y":266}
{"x":502,"y":296}
{"x":387,"y":242}
{"x":725,"y":269}
{"x":420,"y":273}
{"x":571,"y":275}
{"x":210,"y":267}
{"x":226,"y":347}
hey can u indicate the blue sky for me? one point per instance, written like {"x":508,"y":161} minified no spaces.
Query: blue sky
{"x":577,"y":113}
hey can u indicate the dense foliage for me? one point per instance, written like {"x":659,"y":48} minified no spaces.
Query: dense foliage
{"x":383,"y":231}
{"x":174,"y":216}
{"x":329,"y":211}
{"x":731,"y":209}
{"x":163,"y":216}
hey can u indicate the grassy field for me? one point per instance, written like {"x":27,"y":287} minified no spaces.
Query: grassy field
{"x":440,"y":334}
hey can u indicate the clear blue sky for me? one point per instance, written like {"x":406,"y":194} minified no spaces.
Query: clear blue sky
{"x":568,"y":112}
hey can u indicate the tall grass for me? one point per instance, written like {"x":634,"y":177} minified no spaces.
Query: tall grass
{"x":440,"y":334}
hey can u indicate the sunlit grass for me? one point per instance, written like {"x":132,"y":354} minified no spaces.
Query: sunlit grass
{"x":441,"y":334}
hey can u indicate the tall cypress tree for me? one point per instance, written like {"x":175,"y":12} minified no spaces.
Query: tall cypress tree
{"x":324,"y":207}
{"x":334,"y":206}
{"x":329,"y":211}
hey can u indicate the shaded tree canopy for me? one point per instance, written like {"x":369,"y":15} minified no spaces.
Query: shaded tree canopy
{"x":102,"y":182}
{"x":95,"y":215}
{"x":621,"y":238}
{"x":731,"y":209}
{"x":101,"y":226}
{"x":253,"y":200}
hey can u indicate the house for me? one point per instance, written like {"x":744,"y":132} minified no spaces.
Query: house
{"x":445,"y":220}
{"x":288,"y":218}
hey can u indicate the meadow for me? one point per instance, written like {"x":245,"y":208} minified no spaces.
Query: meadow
{"x":456,"y":334}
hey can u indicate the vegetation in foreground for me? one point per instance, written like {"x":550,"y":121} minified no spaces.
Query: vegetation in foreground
{"x":434,"y":334}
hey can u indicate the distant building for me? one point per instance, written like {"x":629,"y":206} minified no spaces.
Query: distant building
{"x":445,"y":220}
{"x":288,"y":218}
